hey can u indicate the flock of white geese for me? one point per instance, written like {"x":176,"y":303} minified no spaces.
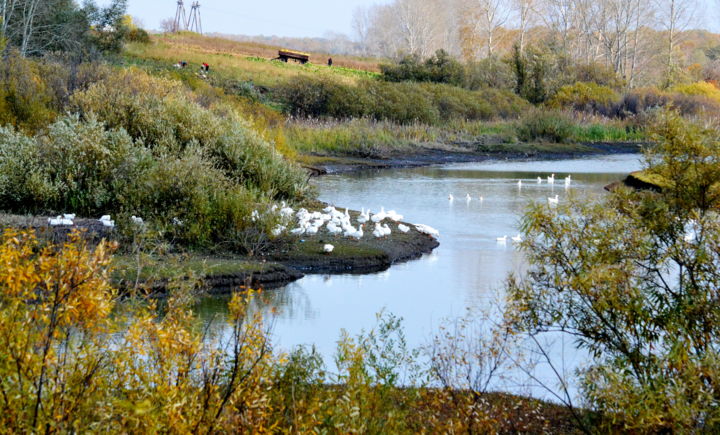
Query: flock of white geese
{"x":336,"y":222}
{"x":340,"y":223}
{"x":552,"y":201}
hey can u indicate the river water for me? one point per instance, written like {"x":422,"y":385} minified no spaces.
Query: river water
{"x":466,"y":271}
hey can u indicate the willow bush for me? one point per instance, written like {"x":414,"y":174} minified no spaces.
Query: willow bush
{"x":633,"y":279}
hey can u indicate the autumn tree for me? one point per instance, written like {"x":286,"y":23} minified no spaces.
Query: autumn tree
{"x":633,"y":278}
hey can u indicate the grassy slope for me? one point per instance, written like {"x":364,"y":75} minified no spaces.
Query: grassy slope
{"x":351,"y":140}
{"x":244,"y":61}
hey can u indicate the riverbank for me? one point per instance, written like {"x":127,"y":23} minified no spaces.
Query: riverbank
{"x":284,"y":260}
{"x":466,"y":152}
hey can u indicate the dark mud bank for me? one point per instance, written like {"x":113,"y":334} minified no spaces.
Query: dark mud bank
{"x":430,"y":157}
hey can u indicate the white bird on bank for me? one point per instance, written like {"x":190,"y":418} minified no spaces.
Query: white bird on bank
{"x":428,"y":230}
{"x":394,"y":216}
{"x":69,"y":216}
{"x":278,"y":230}
{"x":107,"y":221}
{"x":357,"y":235}
{"x":364,"y":216}
{"x":137,"y":220}
{"x":379,"y":217}
{"x":554,"y":201}
{"x":59,"y":221}
{"x":378,"y":231}
{"x":403,"y":228}
{"x":328,"y":248}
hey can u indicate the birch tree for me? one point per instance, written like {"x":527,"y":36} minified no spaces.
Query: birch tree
{"x":674,"y":17}
{"x":491,"y":16}
{"x":525,"y":11}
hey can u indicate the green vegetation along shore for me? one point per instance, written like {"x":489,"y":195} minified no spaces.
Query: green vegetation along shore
{"x":127,"y":172}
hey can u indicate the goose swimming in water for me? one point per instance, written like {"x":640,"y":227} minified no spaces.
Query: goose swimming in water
{"x":554,"y":201}
{"x":502,"y":239}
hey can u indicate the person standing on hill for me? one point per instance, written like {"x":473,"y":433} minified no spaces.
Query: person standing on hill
{"x":330,"y":62}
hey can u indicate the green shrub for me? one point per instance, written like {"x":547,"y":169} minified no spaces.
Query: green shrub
{"x":439,"y":68}
{"x":545,"y":127}
{"x":490,"y":72}
{"x":702,"y":89}
{"x":584,"y":96}
{"x":403,"y":103}
{"x":163,"y":115}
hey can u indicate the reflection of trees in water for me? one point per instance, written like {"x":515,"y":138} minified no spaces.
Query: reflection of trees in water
{"x":291,"y":302}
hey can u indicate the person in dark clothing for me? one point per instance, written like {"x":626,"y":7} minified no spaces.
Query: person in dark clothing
{"x":330,"y":61}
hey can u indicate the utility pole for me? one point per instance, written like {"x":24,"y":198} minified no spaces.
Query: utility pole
{"x":195,"y":21}
{"x":181,"y":22}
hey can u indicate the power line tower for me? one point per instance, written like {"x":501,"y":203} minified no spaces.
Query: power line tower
{"x":195,"y":21}
{"x":181,"y":22}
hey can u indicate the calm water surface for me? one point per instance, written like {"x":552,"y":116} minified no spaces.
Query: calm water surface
{"x":466,"y":271}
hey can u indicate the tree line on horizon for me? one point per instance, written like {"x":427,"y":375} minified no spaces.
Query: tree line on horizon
{"x":645,"y":42}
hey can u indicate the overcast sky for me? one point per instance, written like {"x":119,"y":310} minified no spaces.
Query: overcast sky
{"x":258,"y":17}
{"x":291,"y":17}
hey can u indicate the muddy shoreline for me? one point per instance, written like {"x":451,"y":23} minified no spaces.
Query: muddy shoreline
{"x":299,"y":258}
{"x":431,"y":157}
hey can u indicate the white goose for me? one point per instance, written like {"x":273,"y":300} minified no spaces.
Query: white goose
{"x":539,"y":180}
{"x":451,"y":198}
{"x":568,"y":180}
{"x":502,"y":239}
{"x":517,"y":239}
{"x":468,"y":198}
{"x":551,"y":179}
{"x":554,"y":201}
{"x":428,"y":230}
{"x":403,"y":228}
{"x":379,"y":217}
{"x":364,"y":216}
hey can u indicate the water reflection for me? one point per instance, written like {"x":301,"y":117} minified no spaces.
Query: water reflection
{"x":467,"y":270}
